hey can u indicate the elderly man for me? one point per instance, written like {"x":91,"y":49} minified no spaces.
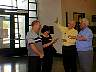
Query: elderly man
{"x":84,"y":46}
{"x":69,"y":51}
{"x":35,"y":48}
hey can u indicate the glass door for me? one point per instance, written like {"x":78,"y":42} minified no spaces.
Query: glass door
{"x":19,"y":31}
{"x":4,"y":31}
{"x":13,"y":30}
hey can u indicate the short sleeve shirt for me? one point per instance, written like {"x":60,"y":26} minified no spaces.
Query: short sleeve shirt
{"x":87,"y":44}
{"x":33,"y":38}
{"x":66,"y":33}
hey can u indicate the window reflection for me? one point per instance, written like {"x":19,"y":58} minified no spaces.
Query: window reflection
{"x":7,"y":4}
{"x":21,"y":67}
{"x":14,"y":4}
{"x":0,"y":68}
{"x":15,"y":19}
{"x":16,"y":41}
{"x":7,"y":68}
{"x":30,"y":28}
{"x":16,"y":25}
{"x":16,"y":45}
{"x":16,"y":67}
{"x":22,"y":4}
{"x":22,"y":43}
{"x":32,"y":6}
{"x":32,"y":14}
{"x":22,"y":26}
{"x":6,"y":32}
{"x":16,"y":30}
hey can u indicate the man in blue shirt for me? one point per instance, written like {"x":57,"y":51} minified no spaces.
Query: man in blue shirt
{"x":84,"y":46}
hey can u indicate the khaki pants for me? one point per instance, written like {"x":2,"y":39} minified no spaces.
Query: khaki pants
{"x":86,"y":60}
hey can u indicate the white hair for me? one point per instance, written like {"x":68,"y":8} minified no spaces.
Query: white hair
{"x":85,"y":20}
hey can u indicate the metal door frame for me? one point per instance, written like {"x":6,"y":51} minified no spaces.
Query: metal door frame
{"x":12,"y":26}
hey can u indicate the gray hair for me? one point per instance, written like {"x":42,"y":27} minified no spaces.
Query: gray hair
{"x":85,"y":20}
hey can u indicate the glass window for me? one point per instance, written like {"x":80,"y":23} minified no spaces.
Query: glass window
{"x":32,"y":13}
{"x":21,"y":31}
{"x":22,"y":43}
{"x":32,"y":0}
{"x":16,"y":25}
{"x":16,"y":45}
{"x":13,"y":4}
{"x":5,"y":31}
{"x":16,"y":36}
{"x":16,"y":31}
{"x":19,"y":21}
{"x":15,"y":19}
{"x":22,"y":4}
{"x":22,"y":26}
{"x":21,"y":18}
{"x":15,"y":15}
{"x":30,"y":28}
{"x":32,"y":6}
{"x":5,"y":2}
{"x":8,"y":4}
{"x":16,"y":41}
{"x":31,"y":20}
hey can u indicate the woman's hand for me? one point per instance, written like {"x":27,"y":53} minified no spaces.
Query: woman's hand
{"x":45,"y":45}
{"x":52,"y":42}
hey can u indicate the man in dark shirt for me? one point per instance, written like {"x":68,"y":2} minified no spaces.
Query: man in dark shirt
{"x":48,"y":48}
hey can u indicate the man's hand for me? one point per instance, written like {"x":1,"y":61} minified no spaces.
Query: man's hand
{"x":41,"y":56}
{"x":45,"y":45}
{"x":36,"y":50}
{"x":71,"y":37}
{"x":81,"y":37}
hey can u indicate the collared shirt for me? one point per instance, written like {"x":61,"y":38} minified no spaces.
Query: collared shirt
{"x":66,"y":32}
{"x":33,"y":38}
{"x":87,"y":44}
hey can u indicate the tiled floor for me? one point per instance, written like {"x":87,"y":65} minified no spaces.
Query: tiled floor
{"x":19,"y":64}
